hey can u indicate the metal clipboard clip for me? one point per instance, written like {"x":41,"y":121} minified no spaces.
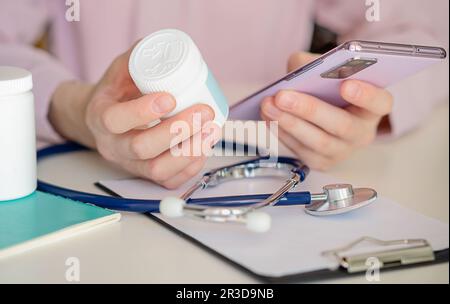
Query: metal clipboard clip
{"x":409,"y":251}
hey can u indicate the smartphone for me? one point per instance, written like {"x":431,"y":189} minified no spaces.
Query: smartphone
{"x":378,"y":63}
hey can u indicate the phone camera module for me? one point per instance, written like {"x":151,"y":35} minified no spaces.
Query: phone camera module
{"x":349,"y":68}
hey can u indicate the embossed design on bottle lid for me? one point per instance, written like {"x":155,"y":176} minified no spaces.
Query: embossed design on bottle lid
{"x":160,"y":55}
{"x":165,"y":61}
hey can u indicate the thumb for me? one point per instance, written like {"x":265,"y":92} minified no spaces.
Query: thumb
{"x":299,"y":59}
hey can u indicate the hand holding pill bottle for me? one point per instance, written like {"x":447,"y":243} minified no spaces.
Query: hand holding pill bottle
{"x":169,"y":61}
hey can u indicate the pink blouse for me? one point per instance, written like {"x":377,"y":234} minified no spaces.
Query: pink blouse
{"x":246,"y":43}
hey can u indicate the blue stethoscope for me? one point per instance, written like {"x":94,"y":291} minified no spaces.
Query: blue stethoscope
{"x":336,"y":199}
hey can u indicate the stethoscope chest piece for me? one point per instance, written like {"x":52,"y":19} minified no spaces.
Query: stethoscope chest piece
{"x":340,"y":198}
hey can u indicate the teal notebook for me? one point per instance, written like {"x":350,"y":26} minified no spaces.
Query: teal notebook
{"x":42,"y":218}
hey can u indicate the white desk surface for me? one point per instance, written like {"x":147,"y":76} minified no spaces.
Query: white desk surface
{"x":413,"y":170}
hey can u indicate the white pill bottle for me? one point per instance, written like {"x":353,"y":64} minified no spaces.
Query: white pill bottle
{"x":169,"y":61}
{"x":17,"y":134}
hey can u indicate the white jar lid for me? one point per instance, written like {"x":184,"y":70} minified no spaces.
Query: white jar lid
{"x":167,"y":60}
{"x":14,"y":80}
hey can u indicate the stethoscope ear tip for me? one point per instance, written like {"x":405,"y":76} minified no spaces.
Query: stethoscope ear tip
{"x":172,"y":206}
{"x":258,"y":221}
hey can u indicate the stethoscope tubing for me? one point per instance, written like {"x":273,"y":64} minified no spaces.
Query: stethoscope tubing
{"x":142,"y":205}
{"x":289,"y":199}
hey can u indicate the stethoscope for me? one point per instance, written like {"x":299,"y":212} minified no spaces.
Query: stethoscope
{"x":335,"y":199}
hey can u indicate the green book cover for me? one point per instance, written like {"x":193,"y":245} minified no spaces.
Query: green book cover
{"x":41,"y":218}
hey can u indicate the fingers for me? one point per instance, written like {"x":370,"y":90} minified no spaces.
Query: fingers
{"x":201,"y":143}
{"x":122,"y":117}
{"x":376,"y":101}
{"x":161,"y":169}
{"x":331,"y":119}
{"x":299,"y":59}
{"x":188,"y":173}
{"x":313,"y":159}
{"x":152,"y":142}
{"x":310,"y":135}
{"x":157,"y":170}
{"x":169,"y":164}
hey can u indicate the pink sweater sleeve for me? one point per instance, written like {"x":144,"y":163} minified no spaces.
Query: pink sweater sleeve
{"x":21,"y":23}
{"x":409,"y":22}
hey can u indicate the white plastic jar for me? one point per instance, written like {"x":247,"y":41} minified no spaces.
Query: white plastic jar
{"x":17,"y":134}
{"x":169,"y":61}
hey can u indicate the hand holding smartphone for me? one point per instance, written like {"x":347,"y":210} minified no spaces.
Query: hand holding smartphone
{"x":378,"y":63}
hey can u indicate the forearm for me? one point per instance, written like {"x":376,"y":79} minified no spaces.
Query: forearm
{"x":67,"y":112}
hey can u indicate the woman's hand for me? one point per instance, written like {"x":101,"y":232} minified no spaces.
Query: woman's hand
{"x":108,"y":116}
{"x":321,"y":134}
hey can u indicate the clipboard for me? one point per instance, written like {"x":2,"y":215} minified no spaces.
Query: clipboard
{"x":418,"y":255}
{"x":407,"y":253}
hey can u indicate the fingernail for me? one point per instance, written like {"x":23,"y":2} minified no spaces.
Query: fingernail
{"x":207,"y":115}
{"x":163,"y":104}
{"x":287,"y":100}
{"x":271,"y":110}
{"x":352,"y":90}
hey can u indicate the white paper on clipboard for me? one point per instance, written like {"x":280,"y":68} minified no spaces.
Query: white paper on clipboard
{"x":296,"y":240}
